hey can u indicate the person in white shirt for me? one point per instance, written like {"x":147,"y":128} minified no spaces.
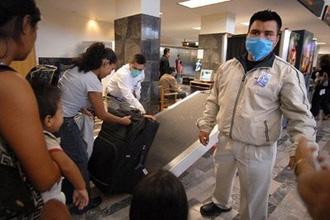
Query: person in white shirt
{"x":81,"y":89}
{"x":125,"y":85}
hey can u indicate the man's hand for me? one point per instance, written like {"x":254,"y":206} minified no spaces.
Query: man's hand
{"x":303,"y":151}
{"x":204,"y":137}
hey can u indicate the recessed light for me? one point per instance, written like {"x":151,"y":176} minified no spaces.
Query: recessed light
{"x":245,"y":23}
{"x":196,"y":28}
{"x":200,"y":3}
{"x":160,"y":13}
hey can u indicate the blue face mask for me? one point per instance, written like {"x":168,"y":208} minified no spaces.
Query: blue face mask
{"x":135,"y":73}
{"x":258,"y":47}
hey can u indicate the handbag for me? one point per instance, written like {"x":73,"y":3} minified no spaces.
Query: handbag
{"x":17,"y":195}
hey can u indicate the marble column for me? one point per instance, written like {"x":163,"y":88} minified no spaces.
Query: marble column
{"x":213,"y":38}
{"x":140,"y":34}
{"x":214,"y":50}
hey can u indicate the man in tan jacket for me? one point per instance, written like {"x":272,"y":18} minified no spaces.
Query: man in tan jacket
{"x":249,"y":98}
{"x":169,"y":84}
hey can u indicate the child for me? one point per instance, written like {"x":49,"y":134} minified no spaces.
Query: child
{"x":51,"y":116}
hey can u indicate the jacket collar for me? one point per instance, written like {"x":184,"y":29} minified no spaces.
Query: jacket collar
{"x":267,"y":61}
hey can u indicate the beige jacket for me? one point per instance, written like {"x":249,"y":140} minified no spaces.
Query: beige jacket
{"x":169,"y":83}
{"x":250,"y":113}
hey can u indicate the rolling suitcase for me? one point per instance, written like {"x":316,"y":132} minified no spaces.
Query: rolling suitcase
{"x":118,"y":159}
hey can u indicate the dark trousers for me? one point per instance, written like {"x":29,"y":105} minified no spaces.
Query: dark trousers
{"x":74,"y":146}
{"x":320,"y":101}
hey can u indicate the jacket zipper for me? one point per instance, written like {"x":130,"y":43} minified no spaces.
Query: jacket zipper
{"x":236,"y":101}
{"x":235,"y":106}
{"x":266,"y":131}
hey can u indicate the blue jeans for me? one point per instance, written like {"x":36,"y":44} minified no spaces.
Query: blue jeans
{"x":75,"y":147}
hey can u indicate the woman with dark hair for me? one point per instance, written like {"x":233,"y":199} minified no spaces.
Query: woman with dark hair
{"x":20,"y":128}
{"x":160,"y":196}
{"x":81,"y":90}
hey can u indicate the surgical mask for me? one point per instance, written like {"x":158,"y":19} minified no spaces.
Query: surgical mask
{"x":258,"y":47}
{"x":135,"y":73}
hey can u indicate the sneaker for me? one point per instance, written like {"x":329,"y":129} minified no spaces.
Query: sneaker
{"x":210,"y":210}
{"x":93,"y":203}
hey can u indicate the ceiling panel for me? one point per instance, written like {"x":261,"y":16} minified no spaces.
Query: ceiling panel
{"x":177,"y":21}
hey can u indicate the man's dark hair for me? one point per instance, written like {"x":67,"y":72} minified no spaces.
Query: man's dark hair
{"x":48,"y":97}
{"x":93,"y":57}
{"x":267,"y":15}
{"x":139,"y":59}
{"x":12,"y":13}
{"x":166,"y":50}
{"x":160,"y":196}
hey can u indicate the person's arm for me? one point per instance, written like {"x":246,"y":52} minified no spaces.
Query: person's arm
{"x":96,"y":99}
{"x":208,"y":120}
{"x":21,"y":128}
{"x":313,"y":185}
{"x":174,"y":85}
{"x":68,"y":168}
{"x":314,"y":189}
{"x":72,"y":173}
{"x":295,"y":106}
{"x":127,"y":93}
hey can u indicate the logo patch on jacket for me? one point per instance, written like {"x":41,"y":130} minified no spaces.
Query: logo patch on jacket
{"x":264,"y":79}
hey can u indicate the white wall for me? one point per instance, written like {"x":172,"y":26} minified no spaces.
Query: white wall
{"x":125,"y":8}
{"x":65,"y":34}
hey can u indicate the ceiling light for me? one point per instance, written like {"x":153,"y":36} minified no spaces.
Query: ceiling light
{"x":245,"y":23}
{"x":160,"y":13}
{"x":196,"y":28}
{"x":320,"y":43}
{"x":92,"y":25}
{"x":200,"y":3}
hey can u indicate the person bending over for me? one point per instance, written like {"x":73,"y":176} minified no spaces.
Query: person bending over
{"x":124,"y":88}
{"x":81,"y":89}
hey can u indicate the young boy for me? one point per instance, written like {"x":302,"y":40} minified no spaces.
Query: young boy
{"x":51,"y":116}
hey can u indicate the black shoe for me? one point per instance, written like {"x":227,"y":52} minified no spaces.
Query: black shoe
{"x":210,"y":209}
{"x":93,"y":203}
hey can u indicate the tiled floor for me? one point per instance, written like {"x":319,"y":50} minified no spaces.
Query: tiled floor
{"x":284,"y":202}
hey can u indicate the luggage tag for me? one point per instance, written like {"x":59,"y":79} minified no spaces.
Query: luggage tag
{"x":264,"y":79}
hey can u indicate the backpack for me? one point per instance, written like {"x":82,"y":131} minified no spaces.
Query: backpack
{"x":118,"y":159}
{"x":17,"y":196}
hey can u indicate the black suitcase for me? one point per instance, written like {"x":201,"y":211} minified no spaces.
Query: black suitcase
{"x":119,"y":153}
